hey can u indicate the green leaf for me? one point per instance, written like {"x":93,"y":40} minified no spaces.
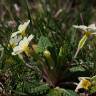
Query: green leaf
{"x":61,"y":92}
{"x":77,"y":68}
{"x":43,"y":44}
{"x":1,"y":51}
{"x":93,"y":78}
{"x":70,"y":93}
{"x":92,"y":89}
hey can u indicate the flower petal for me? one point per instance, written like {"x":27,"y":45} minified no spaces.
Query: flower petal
{"x":17,"y":50}
{"x":23,"y":27}
{"x":24,"y":43}
{"x":15,"y":40}
{"x":83,"y":78}
{"x":92,"y":27}
{"x":30,"y":37}
{"x":82,"y":27}
{"x":93,"y":33}
{"x":14,"y":34}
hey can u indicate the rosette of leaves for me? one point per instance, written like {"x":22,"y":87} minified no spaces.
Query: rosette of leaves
{"x":55,"y":63}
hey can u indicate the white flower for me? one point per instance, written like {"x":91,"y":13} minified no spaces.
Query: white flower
{"x":13,"y":42}
{"x":21,"y":29}
{"x":23,"y":46}
{"x":84,"y":83}
{"x":90,"y":28}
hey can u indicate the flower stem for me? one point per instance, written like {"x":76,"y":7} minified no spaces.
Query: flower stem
{"x":76,"y":52}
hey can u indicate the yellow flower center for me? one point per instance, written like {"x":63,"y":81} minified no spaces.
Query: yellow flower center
{"x":25,"y":49}
{"x":23,"y":33}
{"x":12,"y":45}
{"x":85,"y":84}
{"x":88,"y":33}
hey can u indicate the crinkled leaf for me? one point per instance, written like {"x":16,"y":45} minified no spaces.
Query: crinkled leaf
{"x":77,"y":68}
{"x":93,"y":78}
{"x":43,"y":44}
{"x":93,"y":89}
{"x":61,"y":92}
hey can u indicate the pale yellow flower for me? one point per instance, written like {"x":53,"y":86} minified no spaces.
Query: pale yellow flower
{"x":13,"y":42}
{"x":84,"y":83}
{"x":22,"y":46}
{"x":21,"y":29}
{"x":87,"y":30}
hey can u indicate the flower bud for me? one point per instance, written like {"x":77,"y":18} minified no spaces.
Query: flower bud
{"x":47,"y":54}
